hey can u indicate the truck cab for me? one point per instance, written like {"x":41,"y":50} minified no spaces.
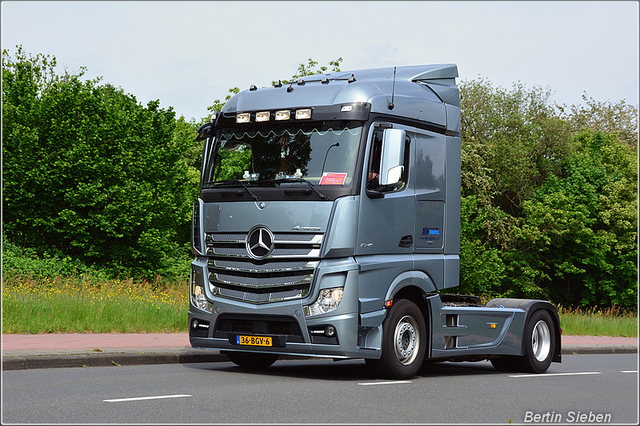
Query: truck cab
{"x":328,"y":225}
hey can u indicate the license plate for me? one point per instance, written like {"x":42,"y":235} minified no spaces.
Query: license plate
{"x":254,"y":340}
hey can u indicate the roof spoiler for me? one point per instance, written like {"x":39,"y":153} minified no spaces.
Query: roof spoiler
{"x":440,"y":78}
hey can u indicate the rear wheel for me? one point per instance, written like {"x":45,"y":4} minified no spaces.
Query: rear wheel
{"x":253,"y":361}
{"x":404,"y":342}
{"x":539,"y":343}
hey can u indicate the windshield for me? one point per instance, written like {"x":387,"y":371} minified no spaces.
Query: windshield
{"x":320,"y":155}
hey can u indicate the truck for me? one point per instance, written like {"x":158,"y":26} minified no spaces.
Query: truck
{"x":328,"y":225}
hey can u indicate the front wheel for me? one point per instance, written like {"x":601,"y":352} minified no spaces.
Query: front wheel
{"x":253,"y":361}
{"x":404,"y":342}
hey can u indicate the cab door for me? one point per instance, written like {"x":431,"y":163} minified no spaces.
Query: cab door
{"x":386,"y":222}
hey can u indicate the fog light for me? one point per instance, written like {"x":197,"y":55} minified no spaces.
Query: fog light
{"x":197,"y":325}
{"x":330,"y":331}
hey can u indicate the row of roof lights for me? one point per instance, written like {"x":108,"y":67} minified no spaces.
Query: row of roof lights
{"x":282,"y":115}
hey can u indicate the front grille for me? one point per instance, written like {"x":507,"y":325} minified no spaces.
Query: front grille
{"x":258,"y":281}
{"x":278,"y":252}
{"x":273,"y":266}
{"x":251,"y":297}
{"x":285,"y":273}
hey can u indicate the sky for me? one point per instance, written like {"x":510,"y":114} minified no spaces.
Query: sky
{"x":188,"y":54}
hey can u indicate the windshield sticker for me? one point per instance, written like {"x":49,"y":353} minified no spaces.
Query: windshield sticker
{"x":333,"y":178}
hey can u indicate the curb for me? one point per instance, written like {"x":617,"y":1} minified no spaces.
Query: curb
{"x":28,"y":362}
{"x":596,"y":350}
{"x":186,"y":356}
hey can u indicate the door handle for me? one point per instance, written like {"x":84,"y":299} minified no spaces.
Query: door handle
{"x":406,"y":241}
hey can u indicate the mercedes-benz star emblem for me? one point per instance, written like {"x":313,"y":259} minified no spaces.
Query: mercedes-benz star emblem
{"x":259,"y":242}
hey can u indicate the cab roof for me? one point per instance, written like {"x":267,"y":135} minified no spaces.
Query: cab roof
{"x":422,"y":92}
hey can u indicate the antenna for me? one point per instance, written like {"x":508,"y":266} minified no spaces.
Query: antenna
{"x":393,"y":90}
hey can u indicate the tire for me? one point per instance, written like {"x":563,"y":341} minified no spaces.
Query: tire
{"x":404,"y":342}
{"x":539,"y":343}
{"x":252,"y":361}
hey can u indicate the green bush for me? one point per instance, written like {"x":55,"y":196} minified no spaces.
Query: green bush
{"x":91,"y":173}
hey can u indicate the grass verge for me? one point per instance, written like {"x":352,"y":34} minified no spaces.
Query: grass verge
{"x":593,"y":321}
{"x":83,"y":305}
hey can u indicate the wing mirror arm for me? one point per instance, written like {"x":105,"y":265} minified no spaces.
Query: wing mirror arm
{"x":205,"y":131}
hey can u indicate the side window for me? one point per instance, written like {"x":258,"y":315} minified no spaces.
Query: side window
{"x":373,"y":174}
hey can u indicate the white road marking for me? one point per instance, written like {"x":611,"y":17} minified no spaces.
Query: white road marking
{"x":142,"y":398}
{"x":556,"y":374}
{"x":397,"y":382}
{"x":630,"y":371}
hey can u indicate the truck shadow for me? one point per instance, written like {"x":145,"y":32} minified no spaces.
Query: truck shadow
{"x":348,"y":370}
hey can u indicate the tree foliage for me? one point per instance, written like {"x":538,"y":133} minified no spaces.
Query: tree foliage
{"x":549,"y":206}
{"x":579,"y":229}
{"x":603,"y":117}
{"x":512,"y":142}
{"x":89,"y":171}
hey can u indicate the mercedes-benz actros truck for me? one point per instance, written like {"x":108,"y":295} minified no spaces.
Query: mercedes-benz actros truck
{"x":328,"y":225}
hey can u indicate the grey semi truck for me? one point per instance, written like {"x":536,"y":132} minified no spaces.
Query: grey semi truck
{"x":328,"y":225}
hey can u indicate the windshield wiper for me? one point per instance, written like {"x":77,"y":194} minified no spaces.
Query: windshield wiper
{"x":255,"y":197}
{"x":293,"y":180}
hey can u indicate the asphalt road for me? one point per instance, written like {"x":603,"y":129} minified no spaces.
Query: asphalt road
{"x":323,"y":391}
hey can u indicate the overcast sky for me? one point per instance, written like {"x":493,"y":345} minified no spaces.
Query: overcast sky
{"x":188,"y":54}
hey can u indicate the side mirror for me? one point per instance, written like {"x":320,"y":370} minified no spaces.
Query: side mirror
{"x":204,"y":132}
{"x":391,"y":167}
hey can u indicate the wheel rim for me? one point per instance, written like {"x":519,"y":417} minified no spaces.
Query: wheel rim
{"x":406,"y":340}
{"x":541,"y":341}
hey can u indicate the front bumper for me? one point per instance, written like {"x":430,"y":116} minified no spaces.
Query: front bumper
{"x":291,"y":332}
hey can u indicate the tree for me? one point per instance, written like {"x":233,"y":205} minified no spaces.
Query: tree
{"x":603,"y":117}
{"x":90,"y":172}
{"x":549,"y":206}
{"x":482,"y":270}
{"x":512,"y":141}
{"x":579,"y":229}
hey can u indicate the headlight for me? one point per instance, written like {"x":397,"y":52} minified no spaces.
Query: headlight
{"x":327,"y":301}
{"x":198,"y":299}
